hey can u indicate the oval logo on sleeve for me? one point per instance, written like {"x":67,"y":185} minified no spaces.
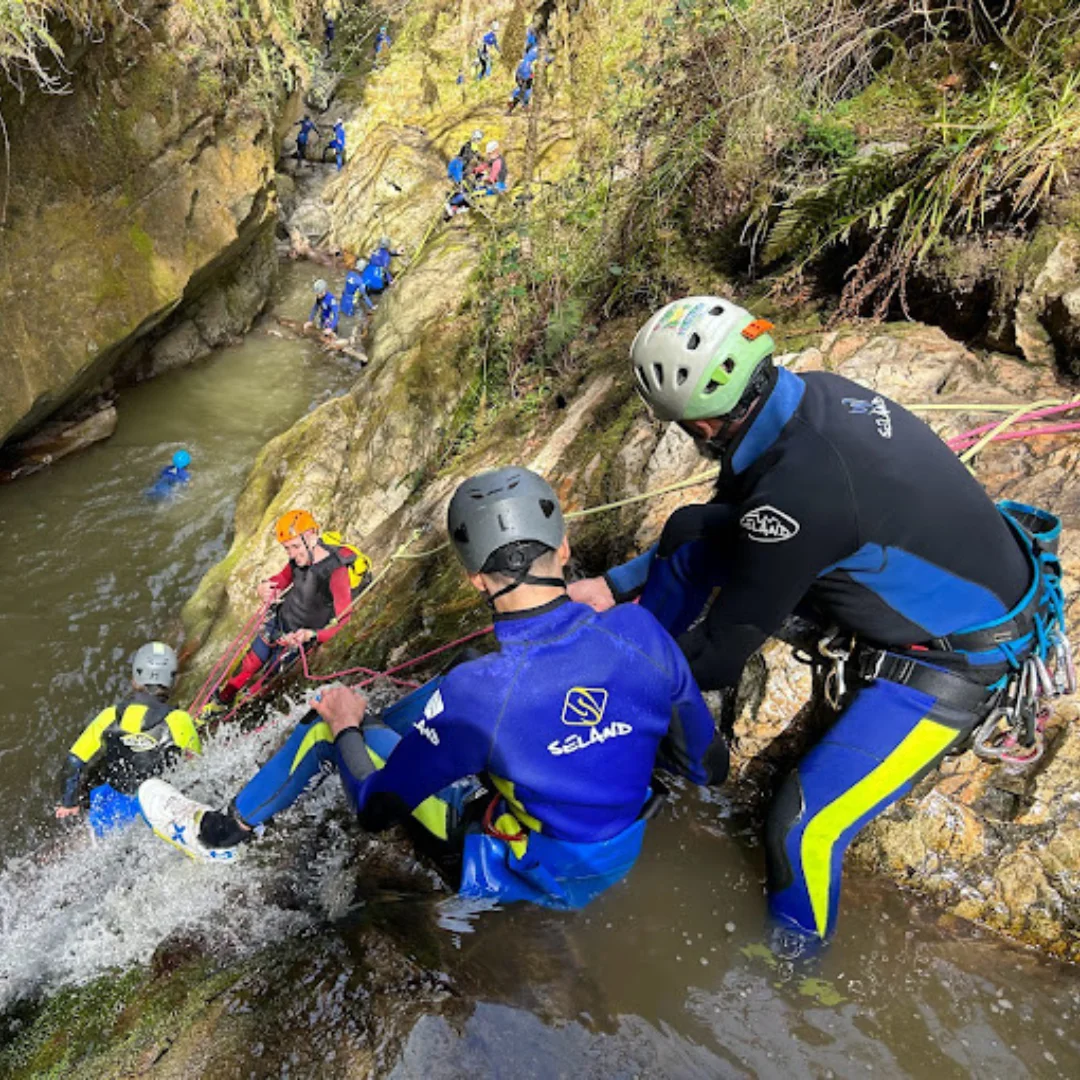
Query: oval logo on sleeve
{"x":767,"y":525}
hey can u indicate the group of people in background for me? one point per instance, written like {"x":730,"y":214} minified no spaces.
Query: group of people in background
{"x":359,"y":287}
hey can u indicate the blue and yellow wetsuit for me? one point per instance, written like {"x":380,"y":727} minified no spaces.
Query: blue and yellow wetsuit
{"x":840,"y":505}
{"x":567,"y":720}
{"x":120,"y":748}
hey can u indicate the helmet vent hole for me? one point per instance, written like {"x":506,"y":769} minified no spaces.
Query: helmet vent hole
{"x":694,"y":341}
{"x":641,"y":378}
{"x":548,"y":507}
{"x":717,"y":310}
{"x":681,"y":376}
{"x":729,"y":365}
{"x":461,"y":534}
{"x":712,"y":387}
{"x":658,"y":374}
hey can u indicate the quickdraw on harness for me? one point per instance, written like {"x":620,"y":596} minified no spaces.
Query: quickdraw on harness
{"x":1013,"y":732}
{"x":1031,"y":639}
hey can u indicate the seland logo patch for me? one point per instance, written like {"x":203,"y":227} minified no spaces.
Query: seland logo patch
{"x":767,"y":525}
{"x":139,"y":741}
{"x":584,"y":706}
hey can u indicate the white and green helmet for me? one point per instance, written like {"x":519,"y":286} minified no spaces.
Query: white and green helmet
{"x":694,"y":358}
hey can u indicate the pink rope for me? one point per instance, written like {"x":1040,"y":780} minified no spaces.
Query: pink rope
{"x":962,"y":442}
{"x":218,"y":671}
{"x":970,"y":436}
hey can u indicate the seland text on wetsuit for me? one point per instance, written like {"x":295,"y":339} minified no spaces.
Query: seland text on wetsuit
{"x":839,"y":504}
{"x":567,"y":720}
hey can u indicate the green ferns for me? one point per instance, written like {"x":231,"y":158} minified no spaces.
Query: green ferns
{"x":990,"y":160}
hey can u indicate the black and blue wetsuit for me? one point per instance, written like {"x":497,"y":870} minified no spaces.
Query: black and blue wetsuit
{"x":325,"y":312}
{"x":567,"y":721}
{"x":838,"y":504}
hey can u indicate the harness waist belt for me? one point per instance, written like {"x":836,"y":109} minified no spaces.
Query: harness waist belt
{"x":949,"y":688}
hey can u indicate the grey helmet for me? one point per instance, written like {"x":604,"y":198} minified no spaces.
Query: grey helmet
{"x":320,"y":287}
{"x":384,"y":241}
{"x":154,"y":664}
{"x":501,"y":507}
{"x":477,"y":136}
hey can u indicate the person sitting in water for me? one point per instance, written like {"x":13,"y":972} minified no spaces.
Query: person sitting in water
{"x":307,"y":127}
{"x":568,"y":719}
{"x":126,"y":743}
{"x":325,"y":311}
{"x":310,"y":598}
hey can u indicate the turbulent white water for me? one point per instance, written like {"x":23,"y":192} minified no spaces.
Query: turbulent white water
{"x":72,"y":912}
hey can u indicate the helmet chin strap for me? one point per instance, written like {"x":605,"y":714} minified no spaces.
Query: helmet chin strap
{"x":523,"y":577}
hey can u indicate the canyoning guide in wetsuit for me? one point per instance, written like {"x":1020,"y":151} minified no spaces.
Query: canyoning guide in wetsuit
{"x":373,"y":279}
{"x":310,"y":601}
{"x":566,"y":722}
{"x":126,"y":743}
{"x":837,"y":504}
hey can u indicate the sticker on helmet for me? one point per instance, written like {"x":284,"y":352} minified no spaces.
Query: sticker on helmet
{"x":680,"y":317}
{"x":767,"y":525}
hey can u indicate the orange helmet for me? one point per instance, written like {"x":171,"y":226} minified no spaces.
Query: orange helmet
{"x":293,"y":524}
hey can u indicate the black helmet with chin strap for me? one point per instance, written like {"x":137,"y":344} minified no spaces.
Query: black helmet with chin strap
{"x":501,"y":521}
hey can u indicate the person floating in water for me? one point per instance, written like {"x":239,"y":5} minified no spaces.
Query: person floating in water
{"x":488,"y":43}
{"x":127,"y":743}
{"x":173,"y":476}
{"x":306,"y":126}
{"x":337,"y":144}
{"x":568,"y":718}
{"x":383,"y":42}
{"x":325,"y":311}
{"x":311,"y":600}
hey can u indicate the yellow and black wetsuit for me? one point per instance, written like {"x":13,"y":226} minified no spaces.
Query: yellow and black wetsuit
{"x":127,"y":743}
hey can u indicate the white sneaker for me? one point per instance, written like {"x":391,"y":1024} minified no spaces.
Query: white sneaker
{"x":175,"y":818}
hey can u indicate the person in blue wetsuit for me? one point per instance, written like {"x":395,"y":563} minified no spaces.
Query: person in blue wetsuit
{"x":126,"y":743}
{"x":489,"y":42}
{"x":382,"y":46}
{"x":372,"y":280}
{"x":532,"y":40}
{"x":325,"y":312}
{"x":307,"y":126}
{"x":568,"y":719}
{"x":329,"y":29}
{"x":336,"y":145}
{"x":172,"y":476}
{"x":523,"y":78}
{"x":836,"y":504}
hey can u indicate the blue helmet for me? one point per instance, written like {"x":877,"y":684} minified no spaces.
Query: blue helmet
{"x":181,"y":459}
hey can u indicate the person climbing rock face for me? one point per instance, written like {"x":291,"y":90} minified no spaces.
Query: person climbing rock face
{"x":329,"y":30}
{"x":325,"y":312}
{"x":126,"y":743}
{"x":470,"y":149}
{"x":836,"y":504}
{"x":307,"y":127}
{"x":336,"y":145}
{"x":372,"y":280}
{"x":523,"y":77}
{"x":491,"y":172}
{"x":382,"y":46}
{"x":488,"y":43}
{"x":309,"y":600}
{"x":568,"y":717}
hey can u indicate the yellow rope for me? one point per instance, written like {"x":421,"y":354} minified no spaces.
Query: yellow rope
{"x":1011,"y":419}
{"x":963,"y":407}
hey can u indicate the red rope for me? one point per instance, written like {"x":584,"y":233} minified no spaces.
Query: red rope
{"x":221,"y":668}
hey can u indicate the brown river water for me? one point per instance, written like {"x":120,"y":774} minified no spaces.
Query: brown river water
{"x":667,"y":975}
